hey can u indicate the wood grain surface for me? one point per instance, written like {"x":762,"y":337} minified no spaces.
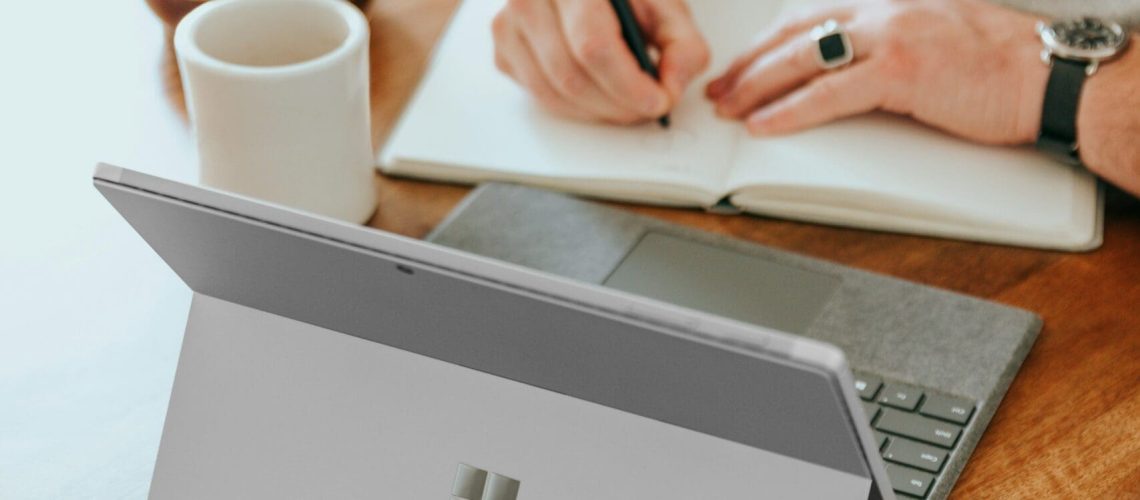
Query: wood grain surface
{"x":1069,"y":426}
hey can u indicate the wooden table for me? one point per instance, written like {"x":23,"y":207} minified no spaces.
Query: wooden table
{"x":1069,"y":426}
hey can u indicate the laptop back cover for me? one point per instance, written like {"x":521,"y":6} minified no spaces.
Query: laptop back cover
{"x":722,"y":385}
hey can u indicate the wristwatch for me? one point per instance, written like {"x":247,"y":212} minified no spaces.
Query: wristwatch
{"x":1074,"y":48}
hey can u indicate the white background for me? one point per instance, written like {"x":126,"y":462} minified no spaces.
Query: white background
{"x":90,"y":319}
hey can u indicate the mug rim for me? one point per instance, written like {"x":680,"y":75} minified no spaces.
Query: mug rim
{"x":186,"y":48}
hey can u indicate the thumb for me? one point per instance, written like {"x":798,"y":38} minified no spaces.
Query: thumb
{"x":684,"y":53}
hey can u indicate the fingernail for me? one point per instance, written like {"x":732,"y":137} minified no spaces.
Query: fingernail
{"x":656,"y":104}
{"x":724,"y":108}
{"x":760,"y":115}
{"x":755,"y":128}
{"x":758,"y":123}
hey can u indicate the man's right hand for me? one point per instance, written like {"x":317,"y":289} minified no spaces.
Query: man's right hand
{"x":570,"y":55}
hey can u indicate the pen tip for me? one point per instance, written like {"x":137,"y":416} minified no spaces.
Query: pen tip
{"x":664,"y":121}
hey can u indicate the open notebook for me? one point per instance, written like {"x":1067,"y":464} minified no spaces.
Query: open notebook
{"x":469,"y":123}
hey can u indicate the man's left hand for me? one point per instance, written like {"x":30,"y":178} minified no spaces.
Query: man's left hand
{"x":968,"y":67}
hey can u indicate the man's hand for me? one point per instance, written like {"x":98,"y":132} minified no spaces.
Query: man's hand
{"x":965,"y":66}
{"x":571,"y":56}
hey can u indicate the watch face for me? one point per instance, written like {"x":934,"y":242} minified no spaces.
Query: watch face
{"x":1085,"y":39}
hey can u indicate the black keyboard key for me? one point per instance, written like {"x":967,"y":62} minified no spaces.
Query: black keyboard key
{"x":867,"y":386}
{"x":909,"y":481}
{"x":914,"y":454}
{"x":903,"y":397}
{"x":947,"y":408}
{"x":918,"y":427}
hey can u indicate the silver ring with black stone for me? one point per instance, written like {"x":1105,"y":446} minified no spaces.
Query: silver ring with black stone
{"x":833,"y":46}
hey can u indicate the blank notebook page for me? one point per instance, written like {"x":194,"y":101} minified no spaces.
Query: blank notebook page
{"x":908,"y":167}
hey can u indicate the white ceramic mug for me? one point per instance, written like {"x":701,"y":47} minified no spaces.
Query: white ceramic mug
{"x":277,"y":92}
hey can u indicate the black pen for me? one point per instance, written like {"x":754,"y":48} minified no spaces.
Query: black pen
{"x":631,"y":31}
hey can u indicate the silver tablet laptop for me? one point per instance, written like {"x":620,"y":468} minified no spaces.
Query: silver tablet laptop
{"x":327,"y":360}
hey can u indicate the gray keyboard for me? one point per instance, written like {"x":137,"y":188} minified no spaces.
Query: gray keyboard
{"x":917,"y":430}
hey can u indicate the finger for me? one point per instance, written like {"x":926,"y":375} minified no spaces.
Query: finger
{"x":778,"y":72}
{"x":843,"y":93}
{"x":774,"y":36}
{"x":684,"y":53}
{"x":770,"y":76}
{"x":538,"y":22}
{"x":514,"y":58}
{"x":595,"y":39}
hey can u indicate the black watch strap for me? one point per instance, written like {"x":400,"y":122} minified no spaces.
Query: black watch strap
{"x":1058,"y":136}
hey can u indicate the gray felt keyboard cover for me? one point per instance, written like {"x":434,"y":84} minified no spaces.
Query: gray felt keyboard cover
{"x":904,"y":331}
